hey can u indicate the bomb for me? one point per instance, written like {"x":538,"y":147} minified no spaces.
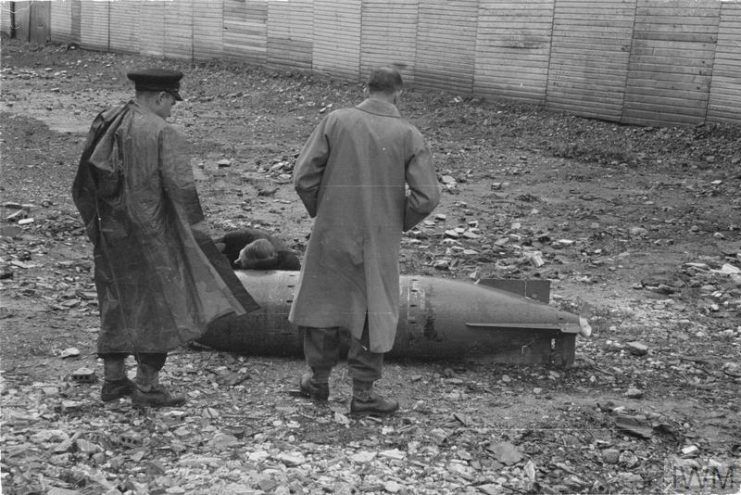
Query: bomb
{"x":508,"y":321}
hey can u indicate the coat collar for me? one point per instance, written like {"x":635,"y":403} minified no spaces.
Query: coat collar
{"x":378,"y":107}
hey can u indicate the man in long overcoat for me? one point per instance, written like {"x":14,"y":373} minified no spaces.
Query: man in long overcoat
{"x":160,"y":278}
{"x":366,"y":174}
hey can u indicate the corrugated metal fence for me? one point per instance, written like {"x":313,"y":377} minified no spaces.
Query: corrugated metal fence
{"x":651,"y":62}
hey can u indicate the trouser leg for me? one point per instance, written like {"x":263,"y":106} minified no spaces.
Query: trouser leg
{"x":115,"y":384}
{"x":365,"y":366}
{"x":148,"y":368}
{"x":114,"y":366}
{"x":322,"y":351}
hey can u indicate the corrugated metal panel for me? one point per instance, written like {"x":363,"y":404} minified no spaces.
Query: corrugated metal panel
{"x":152,"y":27}
{"x":61,"y":22}
{"x":337,"y":37}
{"x":76,"y":28}
{"x":671,"y":62}
{"x":389,"y":36}
{"x":245,"y":30}
{"x":22,"y":14}
{"x":725,"y":89}
{"x":124,"y":28}
{"x":179,"y":29}
{"x":5,"y":18}
{"x":290,"y":31}
{"x":40,"y":25}
{"x":590,"y":50}
{"x":446,"y":45}
{"x":639,"y":61}
{"x":94,"y":25}
{"x":513,"y":49}
{"x":208,"y":29}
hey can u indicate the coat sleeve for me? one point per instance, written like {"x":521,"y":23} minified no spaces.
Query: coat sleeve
{"x":310,"y":165}
{"x":83,"y":187}
{"x":86,"y":185}
{"x":424,"y":190}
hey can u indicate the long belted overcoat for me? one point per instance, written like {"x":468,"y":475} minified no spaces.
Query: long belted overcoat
{"x":351,"y":175}
{"x":160,"y":278}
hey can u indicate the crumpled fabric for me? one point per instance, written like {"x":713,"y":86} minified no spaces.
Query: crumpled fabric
{"x":159,"y":276}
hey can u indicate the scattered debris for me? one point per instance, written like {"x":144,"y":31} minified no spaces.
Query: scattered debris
{"x":506,"y":453}
{"x":69,"y":353}
{"x":637,"y":348}
{"x":638,"y":426}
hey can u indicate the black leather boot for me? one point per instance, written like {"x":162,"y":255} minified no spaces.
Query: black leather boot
{"x":148,"y":391}
{"x":365,"y":402}
{"x":156,"y":396}
{"x":314,"y":390}
{"x":115,"y":389}
{"x":116,"y":384}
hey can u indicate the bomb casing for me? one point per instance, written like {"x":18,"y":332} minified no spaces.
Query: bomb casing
{"x":505,"y":320}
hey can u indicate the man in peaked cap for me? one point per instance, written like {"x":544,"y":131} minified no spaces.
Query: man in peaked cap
{"x":160,"y":278}
{"x":155,"y":83}
{"x":157,"y":80}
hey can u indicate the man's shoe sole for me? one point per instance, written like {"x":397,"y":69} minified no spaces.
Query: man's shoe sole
{"x":373,"y":412}
{"x":142,"y":404}
{"x":138,"y":401}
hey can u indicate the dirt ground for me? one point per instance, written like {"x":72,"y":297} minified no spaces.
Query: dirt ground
{"x":639,"y":230}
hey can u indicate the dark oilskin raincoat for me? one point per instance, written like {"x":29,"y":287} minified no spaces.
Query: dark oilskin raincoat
{"x":159,"y":277}
{"x":351,"y":175}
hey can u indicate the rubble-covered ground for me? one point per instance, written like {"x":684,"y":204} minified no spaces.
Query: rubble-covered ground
{"x":637,"y":228}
